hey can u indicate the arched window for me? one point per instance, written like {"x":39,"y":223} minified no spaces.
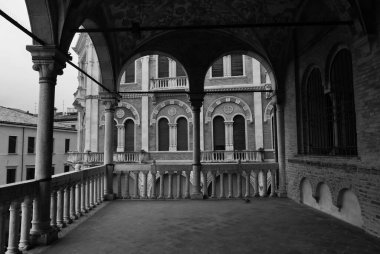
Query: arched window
{"x":182,"y":134}
{"x":129,"y":127}
{"x":219,"y":133}
{"x":239,"y":133}
{"x":163,"y":135}
{"x":114,"y":133}
{"x":343,"y":102}
{"x":317,"y":131}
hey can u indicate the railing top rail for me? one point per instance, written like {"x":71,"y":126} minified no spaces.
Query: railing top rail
{"x":19,"y":190}
{"x":72,"y":177}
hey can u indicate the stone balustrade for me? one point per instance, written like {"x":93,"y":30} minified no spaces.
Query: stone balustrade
{"x":72,"y":195}
{"x":175,"y":181}
{"x":128,"y":157}
{"x":169,"y":83}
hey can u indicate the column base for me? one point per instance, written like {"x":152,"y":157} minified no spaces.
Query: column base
{"x":44,"y":238}
{"x":109,"y":197}
{"x":196,"y":196}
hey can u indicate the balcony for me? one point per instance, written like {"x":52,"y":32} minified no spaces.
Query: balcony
{"x":169,"y":83}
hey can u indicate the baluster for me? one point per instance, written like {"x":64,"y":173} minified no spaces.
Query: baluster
{"x":238,"y":184}
{"x":118,"y":180}
{"x":153,"y":196}
{"x":265,"y":186}
{"x":247,"y":187}
{"x":170,"y":187}
{"x":4,"y":210}
{"x":92,"y":204}
{"x":126,"y":180}
{"x":161,"y":194}
{"x":136,"y":186}
{"x":78,"y":200}
{"x":102,"y":179}
{"x":26,"y":208}
{"x":179,"y":194}
{"x":53,"y":209}
{"x":256,"y":192}
{"x":66,"y":206}
{"x":83,"y":197}
{"x":96,"y":202}
{"x":88,"y":206}
{"x":229,"y":185}
{"x":99,"y":182}
{"x":60,"y":202}
{"x":14,"y":219}
{"x":205,"y":193}
{"x":145,"y":185}
{"x":273,"y":183}
{"x":187,"y":187}
{"x":72,"y":203}
{"x":221,"y":176}
{"x":213,"y":186}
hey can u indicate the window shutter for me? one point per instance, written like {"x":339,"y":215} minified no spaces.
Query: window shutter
{"x":239,"y":133}
{"x":163,"y":67}
{"x":129,"y":136}
{"x":163,"y":135}
{"x":219,"y":133}
{"x":182,"y":134}
{"x":217,"y":68}
{"x":236,"y":65}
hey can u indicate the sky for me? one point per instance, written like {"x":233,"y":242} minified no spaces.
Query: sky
{"x":18,"y":81}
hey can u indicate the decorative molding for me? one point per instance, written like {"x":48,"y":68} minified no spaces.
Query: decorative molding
{"x":161,"y":105}
{"x":228,"y":99}
{"x":268,"y":110}
{"x":134,"y":111}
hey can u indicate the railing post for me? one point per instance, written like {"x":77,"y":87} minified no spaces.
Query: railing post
{"x":161,"y":194}
{"x":221,"y":178}
{"x":179,"y":191}
{"x":187,"y":186}
{"x":26,"y":208}
{"x":53,"y":209}
{"x":265,"y":185}
{"x":170,"y":183}
{"x":66,"y":209}
{"x":14,"y":218}
{"x":73,"y":215}
{"x":281,"y":148}
{"x":126,"y":180}
{"x":256,"y":192}
{"x":60,"y":201}
{"x":153,"y":173}
{"x":213,"y":186}
{"x":78,"y":200}
{"x":247,"y":180}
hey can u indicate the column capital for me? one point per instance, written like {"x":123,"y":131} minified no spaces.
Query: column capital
{"x":109,"y":100}
{"x":196,"y":100}
{"x":47,"y":60}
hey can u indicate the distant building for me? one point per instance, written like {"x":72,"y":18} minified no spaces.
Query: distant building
{"x":18,"y":145}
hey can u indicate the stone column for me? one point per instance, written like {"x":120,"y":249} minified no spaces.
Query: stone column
{"x":247,"y":180}
{"x":161,"y":194}
{"x":213,"y":186}
{"x":179,"y":186}
{"x":25,"y":224}
{"x":172,"y":137}
{"x":109,"y":103}
{"x":73,"y":215}
{"x":187,"y":186}
{"x":256,"y":187}
{"x":238,"y":184}
{"x":126,"y":179}
{"x":145,"y":103}
{"x":136,"y":186}
{"x":229,"y":135}
{"x":273,"y":183}
{"x":265,"y":185}
{"x":13,"y":228}
{"x":281,"y":149}
{"x":196,"y":104}
{"x":229,"y":185}
{"x":80,"y":111}
{"x":145,"y":185}
{"x":170,"y":187}
{"x":221,"y":185}
{"x":120,"y":138}
{"x":49,"y":62}
{"x":153,"y":196}
{"x":53,"y":209}
{"x":78,"y":200}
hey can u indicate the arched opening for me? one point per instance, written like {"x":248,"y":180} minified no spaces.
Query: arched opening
{"x":163,"y":134}
{"x":307,"y":193}
{"x":239,"y":133}
{"x":129,"y":127}
{"x":219,"y":135}
{"x":182,"y":134}
{"x":350,"y":210}
{"x":324,"y":197}
{"x":343,"y":101}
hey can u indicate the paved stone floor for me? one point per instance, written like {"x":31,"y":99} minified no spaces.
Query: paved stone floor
{"x":231,"y":226}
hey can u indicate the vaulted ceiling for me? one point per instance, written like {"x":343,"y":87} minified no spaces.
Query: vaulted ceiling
{"x":54,"y":21}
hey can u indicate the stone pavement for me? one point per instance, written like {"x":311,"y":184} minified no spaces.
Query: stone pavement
{"x":228,"y":226}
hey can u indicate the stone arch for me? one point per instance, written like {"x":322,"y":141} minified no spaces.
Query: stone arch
{"x":330,"y":59}
{"x":349,"y":207}
{"x":161,"y":105}
{"x":268,"y":111}
{"x":247,"y":111}
{"x":133,"y":110}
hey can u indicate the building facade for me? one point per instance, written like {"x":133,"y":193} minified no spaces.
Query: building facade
{"x":18,"y":145}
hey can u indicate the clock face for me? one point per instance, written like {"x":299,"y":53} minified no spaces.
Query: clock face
{"x":120,"y":113}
